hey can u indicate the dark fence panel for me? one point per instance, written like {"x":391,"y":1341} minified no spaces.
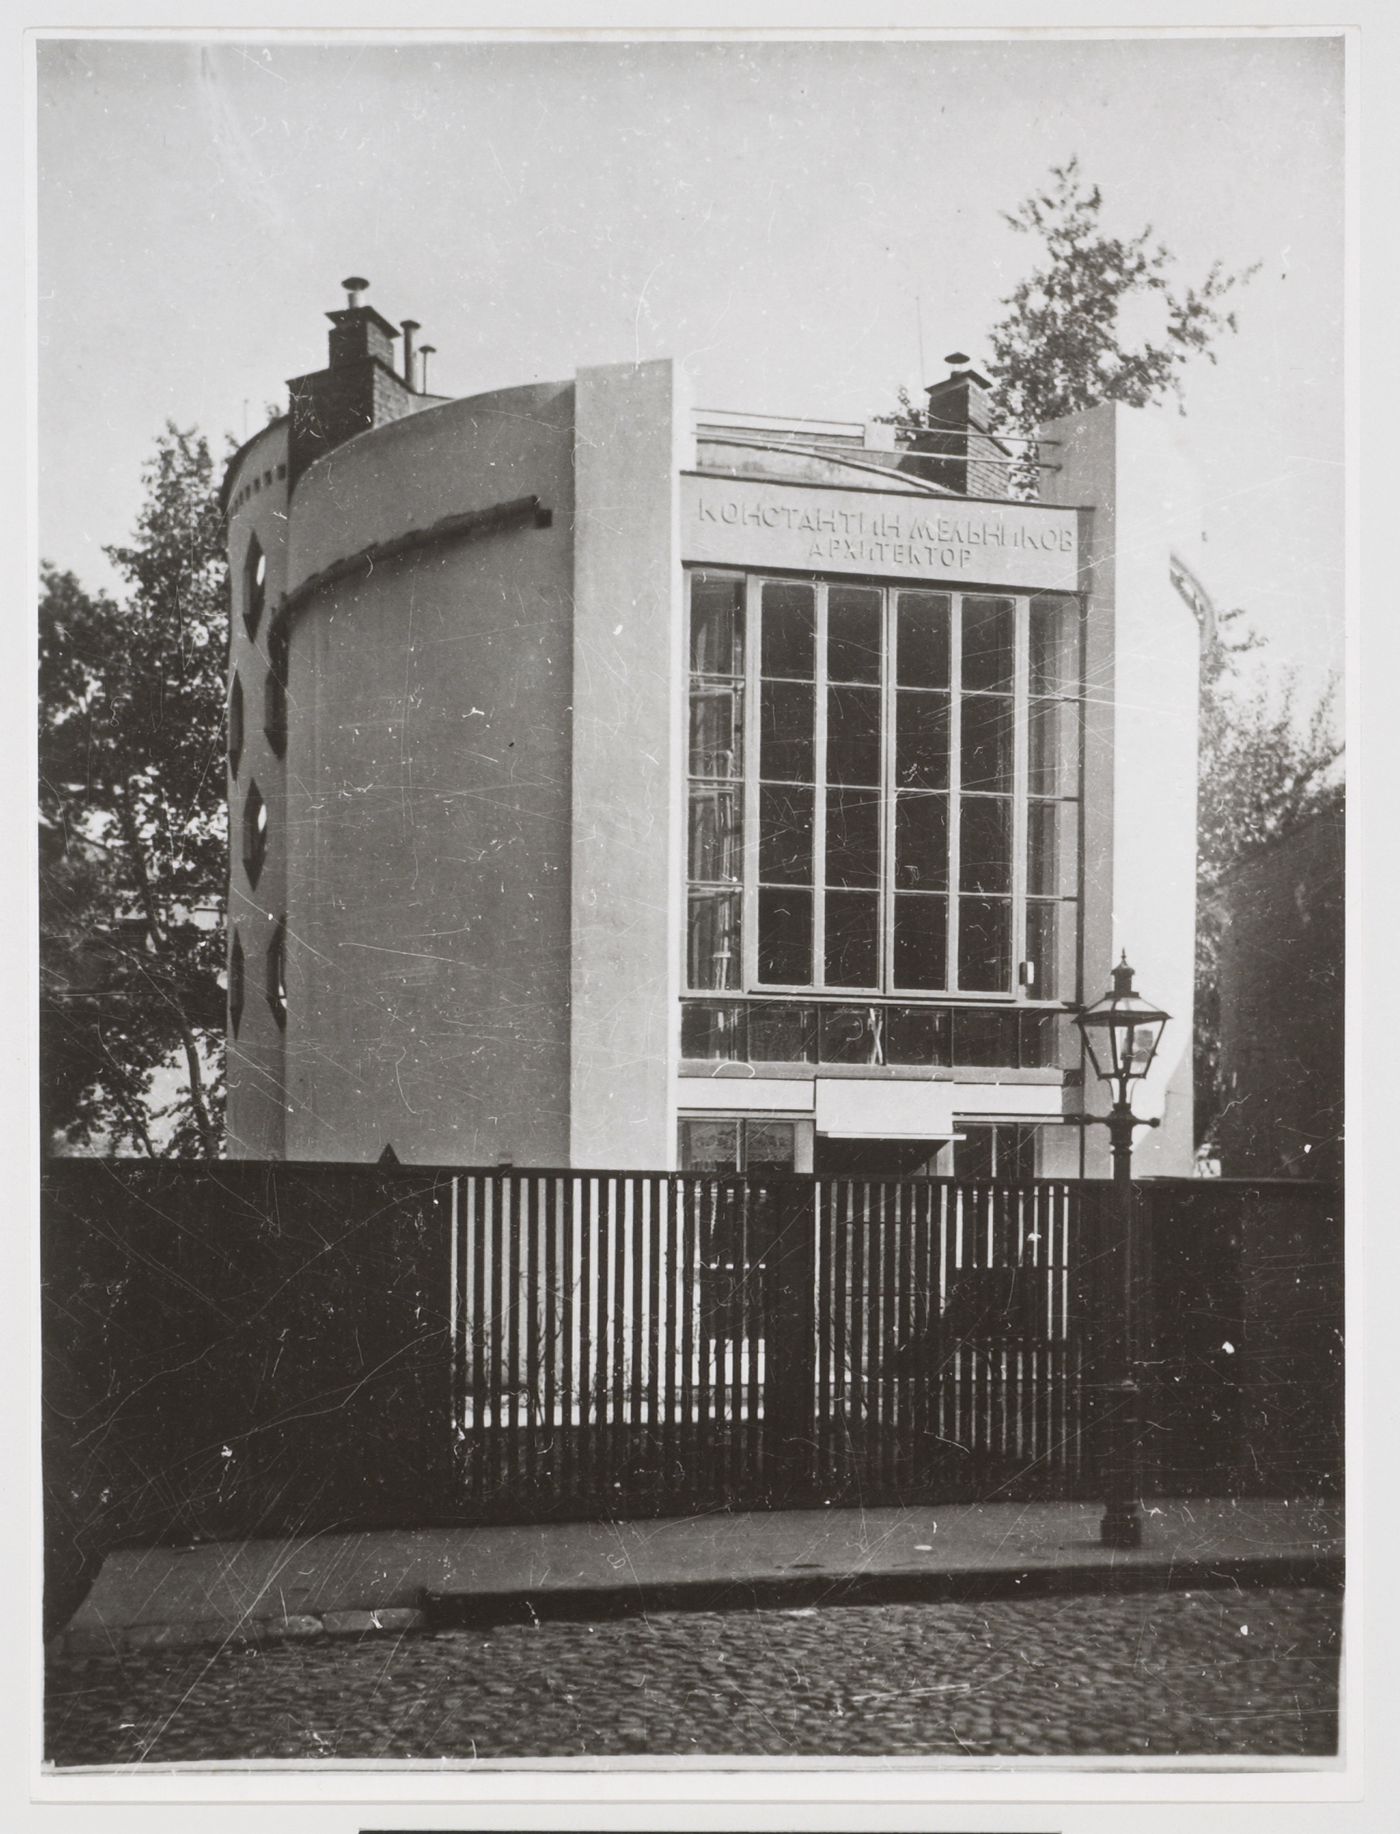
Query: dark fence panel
{"x":1245,"y":1299}
{"x":243,"y":1348}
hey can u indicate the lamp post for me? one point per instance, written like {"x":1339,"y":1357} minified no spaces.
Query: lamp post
{"x":1121,"y":1033}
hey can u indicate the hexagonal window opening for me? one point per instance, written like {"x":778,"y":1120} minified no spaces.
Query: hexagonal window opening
{"x":235,"y":725}
{"x":237,"y":975}
{"x":254,"y":586}
{"x":275,"y":696}
{"x":277,"y":972}
{"x":254,"y":833}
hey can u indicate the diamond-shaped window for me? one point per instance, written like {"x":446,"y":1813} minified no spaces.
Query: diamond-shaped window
{"x":254,"y":833}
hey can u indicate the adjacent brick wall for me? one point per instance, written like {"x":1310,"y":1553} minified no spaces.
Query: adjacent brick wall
{"x":957,"y":450}
{"x":333,"y":405}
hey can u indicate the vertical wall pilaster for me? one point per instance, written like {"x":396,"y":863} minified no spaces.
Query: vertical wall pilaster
{"x":1141,"y":715}
{"x":628,"y":768}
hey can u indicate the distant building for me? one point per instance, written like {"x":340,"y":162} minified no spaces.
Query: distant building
{"x":1282,"y":1007}
{"x":617,"y":783}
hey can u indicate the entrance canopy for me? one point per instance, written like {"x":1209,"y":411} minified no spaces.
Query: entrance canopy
{"x":867,"y":1110}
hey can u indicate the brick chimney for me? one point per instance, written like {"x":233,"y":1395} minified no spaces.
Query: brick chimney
{"x":955,"y":448}
{"x":359,"y":388}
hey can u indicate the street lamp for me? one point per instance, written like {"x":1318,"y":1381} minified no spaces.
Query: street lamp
{"x":1121,"y":1033}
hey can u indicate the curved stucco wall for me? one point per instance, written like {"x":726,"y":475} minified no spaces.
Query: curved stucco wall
{"x":429,"y":794}
{"x":256,"y":1062}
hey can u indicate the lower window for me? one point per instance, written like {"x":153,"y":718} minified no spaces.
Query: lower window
{"x":730,"y":1147}
{"x":1005,"y":1152}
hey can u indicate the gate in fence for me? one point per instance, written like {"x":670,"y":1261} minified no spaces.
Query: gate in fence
{"x":637,"y":1343}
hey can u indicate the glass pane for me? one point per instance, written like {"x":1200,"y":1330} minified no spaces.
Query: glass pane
{"x":920,"y":942}
{"x":785,"y":732}
{"x":848,"y":1034}
{"x":785,"y":938}
{"x":1052,"y":849}
{"x":1042,"y":949}
{"x":1038,"y":1040}
{"x":989,"y":644}
{"x":712,"y":941}
{"x":972,"y":1156}
{"x":984,"y":835}
{"x":716,"y":729}
{"x":716,"y":851}
{"x":784,"y":836}
{"x":852,"y":939}
{"x":769,"y":1146}
{"x":987,"y":728}
{"x":921,"y":842}
{"x":923,"y":652}
{"x":716,"y":625}
{"x":853,"y":837}
{"x":986,"y":1040}
{"x":1016,"y":1154}
{"x":1052,"y":748}
{"x":782,"y":1034}
{"x":712,"y":1031}
{"x":1054,"y":646}
{"x":710,"y":1146}
{"x":789,"y":630}
{"x":921,"y":741}
{"x":916,"y":1034}
{"x":984,"y":945}
{"x":1052,"y":945}
{"x":853,"y":634}
{"x":853,"y":735}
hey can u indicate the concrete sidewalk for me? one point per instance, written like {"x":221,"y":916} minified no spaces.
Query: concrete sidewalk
{"x":339,"y":1584}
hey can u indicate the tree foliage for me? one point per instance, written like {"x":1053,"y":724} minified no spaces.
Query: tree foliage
{"x":1067,"y":341}
{"x":133,"y":832}
{"x":1100,"y":317}
{"x":1266,"y":769}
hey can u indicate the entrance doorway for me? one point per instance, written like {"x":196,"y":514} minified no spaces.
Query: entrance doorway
{"x":837,"y":1158}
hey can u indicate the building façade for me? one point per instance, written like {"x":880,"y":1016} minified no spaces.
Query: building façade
{"x":617,"y":783}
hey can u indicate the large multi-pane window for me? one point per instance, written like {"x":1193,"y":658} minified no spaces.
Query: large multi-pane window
{"x":884,"y":789}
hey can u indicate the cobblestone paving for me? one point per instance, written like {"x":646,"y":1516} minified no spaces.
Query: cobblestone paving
{"x":1206,"y":1672}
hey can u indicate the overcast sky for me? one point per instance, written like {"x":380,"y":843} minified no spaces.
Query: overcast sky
{"x":767,"y":213}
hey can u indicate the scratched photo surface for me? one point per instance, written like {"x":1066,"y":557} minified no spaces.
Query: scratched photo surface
{"x":691,"y":895}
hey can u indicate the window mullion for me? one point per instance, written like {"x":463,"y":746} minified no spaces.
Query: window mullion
{"x":1020,"y":777}
{"x":752,"y":722}
{"x":954,"y":785}
{"x":888,"y":786}
{"x":819,"y":795}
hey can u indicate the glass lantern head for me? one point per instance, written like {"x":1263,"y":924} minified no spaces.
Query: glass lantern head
{"x":1122,"y":1031}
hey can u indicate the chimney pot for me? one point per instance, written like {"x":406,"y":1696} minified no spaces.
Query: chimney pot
{"x":425,"y":351}
{"x":354,"y":286}
{"x":409,"y":326}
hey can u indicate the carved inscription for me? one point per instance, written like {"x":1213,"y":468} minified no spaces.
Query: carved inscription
{"x":886,"y":536}
{"x":1035,"y":543}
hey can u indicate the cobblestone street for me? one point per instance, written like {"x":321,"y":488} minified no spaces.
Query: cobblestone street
{"x":1216,"y":1672}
